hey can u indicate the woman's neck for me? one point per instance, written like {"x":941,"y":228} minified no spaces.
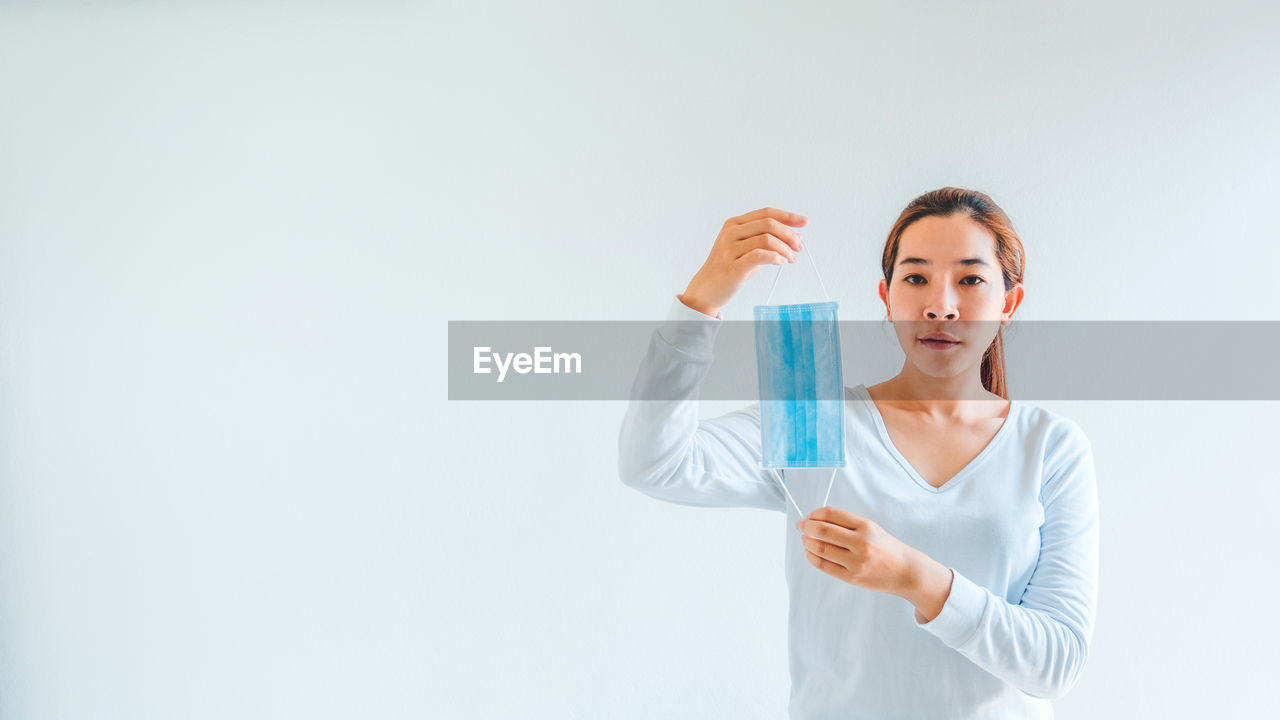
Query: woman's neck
{"x":957,"y":398}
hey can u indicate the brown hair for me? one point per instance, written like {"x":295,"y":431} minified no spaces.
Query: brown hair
{"x":1009,"y":253}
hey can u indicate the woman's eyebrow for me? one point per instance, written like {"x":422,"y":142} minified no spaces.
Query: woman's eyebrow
{"x":922,"y":261}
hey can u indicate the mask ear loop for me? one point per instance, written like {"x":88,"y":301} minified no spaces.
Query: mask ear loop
{"x":788,"y":492}
{"x":793,"y":500}
{"x":829,"y":484}
{"x":813,"y":262}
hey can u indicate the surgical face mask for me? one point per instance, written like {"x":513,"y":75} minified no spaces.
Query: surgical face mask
{"x":801,"y":384}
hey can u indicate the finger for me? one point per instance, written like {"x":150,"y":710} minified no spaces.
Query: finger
{"x":790,"y":218}
{"x":746,"y":231}
{"x":769,"y":241}
{"x":844,"y":518}
{"x":829,"y":533}
{"x":834,"y":553}
{"x":762,"y":256}
{"x":833,"y":569}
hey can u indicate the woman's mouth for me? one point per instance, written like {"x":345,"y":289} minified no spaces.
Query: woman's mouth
{"x":939,"y":344}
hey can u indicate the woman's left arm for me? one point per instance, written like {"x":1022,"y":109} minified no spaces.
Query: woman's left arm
{"x":1041,"y":643}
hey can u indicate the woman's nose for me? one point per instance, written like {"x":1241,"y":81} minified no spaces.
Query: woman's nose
{"x":942,"y":305}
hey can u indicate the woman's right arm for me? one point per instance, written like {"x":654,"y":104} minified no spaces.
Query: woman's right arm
{"x":664,"y":451}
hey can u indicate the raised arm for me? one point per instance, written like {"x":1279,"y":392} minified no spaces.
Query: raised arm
{"x":664,"y":451}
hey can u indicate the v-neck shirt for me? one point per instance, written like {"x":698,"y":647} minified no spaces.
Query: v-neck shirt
{"x":1017,"y":528}
{"x":862,"y":394}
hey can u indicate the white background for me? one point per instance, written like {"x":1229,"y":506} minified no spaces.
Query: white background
{"x":232,"y":235}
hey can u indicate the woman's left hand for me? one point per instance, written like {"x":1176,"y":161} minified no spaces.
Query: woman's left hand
{"x":858,"y":551}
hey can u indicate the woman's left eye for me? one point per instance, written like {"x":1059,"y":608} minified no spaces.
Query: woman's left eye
{"x":975,"y":277}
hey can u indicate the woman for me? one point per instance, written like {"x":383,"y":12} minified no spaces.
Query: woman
{"x":976,"y":510}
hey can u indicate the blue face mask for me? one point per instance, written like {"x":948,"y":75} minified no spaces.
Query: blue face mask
{"x":801,"y":384}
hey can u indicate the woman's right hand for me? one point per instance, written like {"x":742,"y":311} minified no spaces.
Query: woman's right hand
{"x":745,"y":244}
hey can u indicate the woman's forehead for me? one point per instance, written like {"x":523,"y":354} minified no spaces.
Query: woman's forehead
{"x":946,"y":240}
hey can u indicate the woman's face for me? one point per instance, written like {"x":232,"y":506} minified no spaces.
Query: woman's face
{"x":946,"y":279}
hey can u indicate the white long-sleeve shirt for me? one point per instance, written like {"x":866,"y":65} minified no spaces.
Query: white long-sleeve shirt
{"x":1018,"y":526}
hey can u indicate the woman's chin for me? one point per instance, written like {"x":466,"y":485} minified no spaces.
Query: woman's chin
{"x":941,"y":368}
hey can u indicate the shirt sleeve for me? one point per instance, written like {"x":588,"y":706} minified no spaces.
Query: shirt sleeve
{"x":665,"y":452}
{"x":1041,"y":643}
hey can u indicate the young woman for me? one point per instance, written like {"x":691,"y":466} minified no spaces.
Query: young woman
{"x":953,"y":572}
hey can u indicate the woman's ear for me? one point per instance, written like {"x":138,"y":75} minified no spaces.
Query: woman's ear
{"x":884,"y":297}
{"x":1012,"y":300}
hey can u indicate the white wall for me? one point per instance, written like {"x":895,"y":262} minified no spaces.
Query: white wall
{"x":232,"y":234}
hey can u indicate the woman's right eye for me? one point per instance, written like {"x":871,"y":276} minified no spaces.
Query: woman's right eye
{"x":908,"y":278}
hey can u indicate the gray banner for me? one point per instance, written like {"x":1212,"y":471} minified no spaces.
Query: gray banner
{"x":1044,"y":360}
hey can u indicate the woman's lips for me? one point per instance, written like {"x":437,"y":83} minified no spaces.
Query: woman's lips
{"x":939,"y":344}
